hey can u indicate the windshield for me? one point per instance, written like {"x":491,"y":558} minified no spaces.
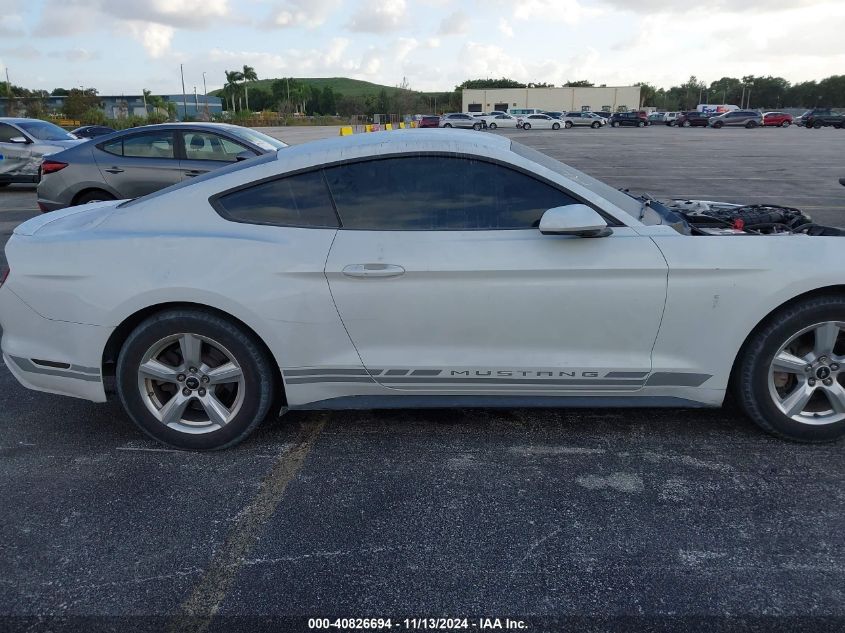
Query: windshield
{"x":258,"y":139}
{"x":44,"y":131}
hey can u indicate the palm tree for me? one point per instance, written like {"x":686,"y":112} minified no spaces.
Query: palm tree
{"x":248,"y":74}
{"x":146,"y":93}
{"x":232,"y":87}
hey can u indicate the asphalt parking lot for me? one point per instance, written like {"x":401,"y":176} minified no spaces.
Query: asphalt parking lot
{"x":574,"y":519}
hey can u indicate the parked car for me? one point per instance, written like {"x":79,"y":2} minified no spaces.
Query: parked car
{"x":693,"y":119}
{"x":656,"y":117}
{"x":541,"y":122}
{"x":777,"y":119}
{"x":315,"y":278}
{"x":461,"y":120}
{"x":141,"y":160}
{"x":429,"y":120}
{"x":92,"y":131}
{"x":24,"y":143}
{"x":585,"y":119}
{"x":634,"y":119}
{"x":819,"y":118}
{"x":670,"y":118}
{"x":503,"y":121}
{"x":736,"y":118}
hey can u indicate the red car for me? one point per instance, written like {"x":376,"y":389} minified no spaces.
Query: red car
{"x":779,"y":119}
{"x":429,"y":121}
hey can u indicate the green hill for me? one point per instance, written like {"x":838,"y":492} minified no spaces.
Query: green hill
{"x":342,"y":85}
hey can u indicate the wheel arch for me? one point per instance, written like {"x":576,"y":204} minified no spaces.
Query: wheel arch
{"x":838,"y":290}
{"x":118,"y":337}
{"x":88,"y":189}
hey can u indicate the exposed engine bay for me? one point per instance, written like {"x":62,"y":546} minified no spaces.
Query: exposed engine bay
{"x":706,"y":217}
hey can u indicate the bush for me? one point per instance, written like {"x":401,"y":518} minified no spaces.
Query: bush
{"x":93,"y":116}
{"x":157,"y":117}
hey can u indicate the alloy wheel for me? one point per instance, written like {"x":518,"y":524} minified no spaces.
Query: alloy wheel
{"x":806,"y":376}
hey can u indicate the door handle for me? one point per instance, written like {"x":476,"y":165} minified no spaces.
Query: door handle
{"x":115,"y":170}
{"x":373,"y":270}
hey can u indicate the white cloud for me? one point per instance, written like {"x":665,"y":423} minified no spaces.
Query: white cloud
{"x":566,"y":11}
{"x":155,"y":38}
{"x":505,"y":28}
{"x":307,"y":13}
{"x":11,"y":25}
{"x":380,"y":16}
{"x":456,"y":23}
{"x":75,"y":55}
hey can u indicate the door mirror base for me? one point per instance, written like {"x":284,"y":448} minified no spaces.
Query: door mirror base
{"x":21,"y":140}
{"x":577,"y":220}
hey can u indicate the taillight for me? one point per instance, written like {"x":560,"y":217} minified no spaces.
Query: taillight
{"x":4,"y":275}
{"x":51,"y":166}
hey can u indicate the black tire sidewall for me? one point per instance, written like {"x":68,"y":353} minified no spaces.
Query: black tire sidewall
{"x":753,"y":380}
{"x":92,"y":196}
{"x":258,"y":377}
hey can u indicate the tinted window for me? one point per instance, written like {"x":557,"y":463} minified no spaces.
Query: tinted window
{"x":149,"y":145}
{"x":207,"y":146}
{"x":7,"y":133}
{"x":300,"y":200}
{"x":431,"y":193}
{"x":113,"y":147}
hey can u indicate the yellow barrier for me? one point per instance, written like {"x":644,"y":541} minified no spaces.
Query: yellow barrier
{"x":368,"y":127}
{"x":388,"y":126}
{"x":346,"y":130}
{"x":401,"y":125}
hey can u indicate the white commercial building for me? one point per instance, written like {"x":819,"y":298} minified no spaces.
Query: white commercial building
{"x":611,"y":99}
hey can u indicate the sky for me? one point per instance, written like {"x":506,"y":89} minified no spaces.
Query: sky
{"x":124,"y":46}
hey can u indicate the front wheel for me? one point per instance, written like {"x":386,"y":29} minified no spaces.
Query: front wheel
{"x":477,"y":127}
{"x":750,"y":125}
{"x":595,"y":125}
{"x":614,"y":124}
{"x":785,"y":124}
{"x":447,"y":125}
{"x":640,"y":124}
{"x":194,"y":380}
{"x":817,"y":125}
{"x":686,"y":124}
{"x":492,"y":126}
{"x":717,"y":125}
{"x":555,"y":126}
{"x":790,"y":378}
{"x":567,"y":124}
{"x":526,"y":126}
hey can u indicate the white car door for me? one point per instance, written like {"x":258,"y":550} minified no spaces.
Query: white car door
{"x":16,"y":160}
{"x":443,"y":282}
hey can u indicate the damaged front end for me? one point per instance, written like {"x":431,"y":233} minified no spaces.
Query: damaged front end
{"x":707,"y":217}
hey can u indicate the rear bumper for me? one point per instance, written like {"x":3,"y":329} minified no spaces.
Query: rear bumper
{"x":50,"y":205}
{"x":52,"y":356}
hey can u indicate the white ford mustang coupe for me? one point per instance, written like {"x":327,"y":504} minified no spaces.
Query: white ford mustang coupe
{"x":424,"y":268}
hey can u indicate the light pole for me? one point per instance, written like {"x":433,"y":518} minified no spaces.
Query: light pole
{"x":205,"y":92}
{"x":184,"y":95}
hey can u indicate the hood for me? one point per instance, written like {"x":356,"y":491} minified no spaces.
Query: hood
{"x":83,"y":217}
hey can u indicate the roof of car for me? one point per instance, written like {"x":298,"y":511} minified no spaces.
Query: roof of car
{"x":12,"y":119}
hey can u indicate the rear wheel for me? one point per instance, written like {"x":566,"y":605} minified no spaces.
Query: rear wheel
{"x":555,"y":126}
{"x":718,"y":124}
{"x":97,"y":195}
{"x":614,"y":124}
{"x":567,"y":124}
{"x":791,"y":377}
{"x":492,"y":126}
{"x":785,"y":124}
{"x":526,"y":126}
{"x":476,"y":127}
{"x":751,"y":125}
{"x":817,"y":125}
{"x":595,"y":125}
{"x":686,"y":124}
{"x":640,"y":124}
{"x":447,"y":125}
{"x":194,"y":380}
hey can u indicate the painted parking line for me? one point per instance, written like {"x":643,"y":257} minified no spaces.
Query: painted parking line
{"x":197,"y":611}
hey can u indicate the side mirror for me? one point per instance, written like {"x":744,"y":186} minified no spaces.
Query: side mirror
{"x":19,"y":139}
{"x":574,"y":219}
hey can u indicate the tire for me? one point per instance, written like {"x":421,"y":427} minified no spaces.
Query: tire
{"x":750,"y":125}
{"x":640,"y":124}
{"x":717,"y":125}
{"x":492,"y":126}
{"x":567,"y":124}
{"x":526,"y":126}
{"x":595,"y":125}
{"x":785,"y":124}
{"x":97,"y":195}
{"x":247,"y":398}
{"x":447,"y":125}
{"x":555,"y":126}
{"x":477,"y":127}
{"x":686,"y":124}
{"x":764,"y":393}
{"x":817,"y":125}
{"x":4,"y":184}
{"x":614,"y":124}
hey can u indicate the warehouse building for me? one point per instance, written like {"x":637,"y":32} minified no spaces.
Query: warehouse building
{"x":609,"y":99}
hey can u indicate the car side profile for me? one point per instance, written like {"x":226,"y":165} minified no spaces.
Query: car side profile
{"x":693,"y":119}
{"x":777,"y":119}
{"x":736,"y":118}
{"x":24,"y":143}
{"x":631,"y":119}
{"x":141,"y":160}
{"x":540,"y":122}
{"x":502,"y":120}
{"x":461,"y":120}
{"x":423,"y":268}
{"x":583,"y":119}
